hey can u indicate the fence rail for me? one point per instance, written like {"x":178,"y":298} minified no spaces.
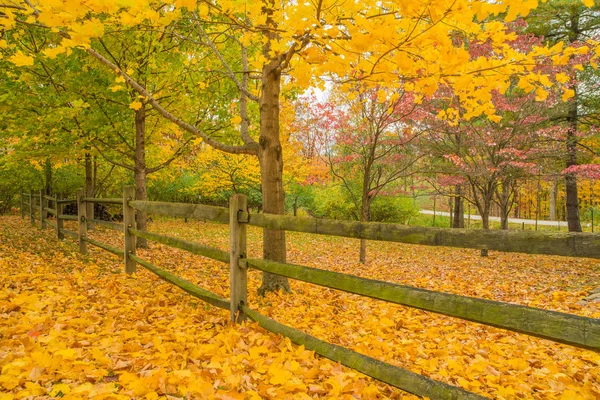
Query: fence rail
{"x":115,"y":226}
{"x":559,"y":327}
{"x":562,"y":244}
{"x":118,"y":201}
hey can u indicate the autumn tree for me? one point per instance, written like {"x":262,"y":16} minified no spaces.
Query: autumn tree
{"x":366,"y":141}
{"x":559,"y":21}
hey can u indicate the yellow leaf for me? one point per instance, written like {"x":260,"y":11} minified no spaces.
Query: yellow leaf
{"x":60,"y":388}
{"x":540,"y":94}
{"x":562,"y":77}
{"x":52,"y":52}
{"x":136,"y":105}
{"x":20,"y":59}
{"x":120,"y":79}
{"x":567,"y":94}
{"x":588,"y":3}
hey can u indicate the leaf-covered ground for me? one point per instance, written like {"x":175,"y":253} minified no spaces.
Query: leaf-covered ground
{"x":73,"y":326}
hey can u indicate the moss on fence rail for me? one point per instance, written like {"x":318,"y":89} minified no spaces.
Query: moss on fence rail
{"x":562,"y":244}
{"x":194,"y":248}
{"x":187,"y":286}
{"x":183,"y":210}
{"x":559,"y":327}
{"x":388,"y":373}
{"x":111,"y":249}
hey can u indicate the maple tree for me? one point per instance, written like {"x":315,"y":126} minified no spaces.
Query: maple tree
{"x":365,"y":139}
{"x":562,"y":21}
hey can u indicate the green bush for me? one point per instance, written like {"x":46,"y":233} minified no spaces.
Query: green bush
{"x":393,"y":209}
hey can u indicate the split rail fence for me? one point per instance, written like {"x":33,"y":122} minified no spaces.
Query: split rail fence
{"x":559,"y":327}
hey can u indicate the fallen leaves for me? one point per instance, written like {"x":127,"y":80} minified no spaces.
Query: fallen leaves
{"x":72,"y":326}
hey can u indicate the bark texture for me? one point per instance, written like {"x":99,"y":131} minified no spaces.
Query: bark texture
{"x":140,"y":172}
{"x":271,"y":168}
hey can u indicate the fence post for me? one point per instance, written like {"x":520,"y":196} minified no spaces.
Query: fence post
{"x":42,"y":206}
{"x":22,"y":206}
{"x":31,"y":204}
{"x":82,"y":221}
{"x":237,"y":252}
{"x":128,"y":222}
{"x":59,"y":222}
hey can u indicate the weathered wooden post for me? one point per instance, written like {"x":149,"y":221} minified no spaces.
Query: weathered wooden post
{"x":237,"y":252}
{"x":31,"y":204}
{"x":82,"y":220}
{"x":59,"y":222}
{"x":22,"y":206}
{"x":129,"y":222}
{"x":42,"y":210}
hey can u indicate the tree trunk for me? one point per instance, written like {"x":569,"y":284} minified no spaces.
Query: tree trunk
{"x":89,"y":185}
{"x":570,"y":180}
{"x":365,"y":216}
{"x":48,"y":177}
{"x":459,"y":209}
{"x":271,"y":168}
{"x":553,"y":195}
{"x":504,"y":213}
{"x":572,"y":201}
{"x":296,"y":206}
{"x":140,"y":172}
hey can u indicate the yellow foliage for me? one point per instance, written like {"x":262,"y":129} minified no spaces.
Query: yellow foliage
{"x":136,"y":105}
{"x":20,"y":59}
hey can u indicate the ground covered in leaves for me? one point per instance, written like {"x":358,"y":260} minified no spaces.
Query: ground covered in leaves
{"x":73,"y":326}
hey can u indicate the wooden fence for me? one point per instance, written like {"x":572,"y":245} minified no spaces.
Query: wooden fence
{"x":551,"y":325}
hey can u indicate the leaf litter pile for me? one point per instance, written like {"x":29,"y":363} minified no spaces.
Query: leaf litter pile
{"x":74,"y":327}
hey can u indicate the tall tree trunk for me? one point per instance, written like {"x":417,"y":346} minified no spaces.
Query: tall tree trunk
{"x":553,"y":195}
{"x":271,"y":168}
{"x":504,"y":204}
{"x":570,"y":180}
{"x":89,"y":185}
{"x":140,"y":172}
{"x":459,"y":209}
{"x":365,"y":216}
{"x":572,"y":200}
{"x":48,"y":177}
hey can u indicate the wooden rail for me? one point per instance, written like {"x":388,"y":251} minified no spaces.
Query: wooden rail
{"x":111,"y":249}
{"x":187,"y":286}
{"x":388,"y":373}
{"x":50,"y":211}
{"x":560,"y":327}
{"x":68,"y":217}
{"x":108,"y":224}
{"x":69,"y":233}
{"x":194,"y":248}
{"x":183,"y":210}
{"x":118,"y":201}
{"x":561,"y":244}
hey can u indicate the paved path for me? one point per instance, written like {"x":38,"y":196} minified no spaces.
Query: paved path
{"x":510,"y":220}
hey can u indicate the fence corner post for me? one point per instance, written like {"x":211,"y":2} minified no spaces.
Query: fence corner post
{"x":128,"y":222}
{"x":59,"y":222}
{"x":238,"y":280}
{"x":42,"y":210}
{"x":31,"y":205}
{"x":82,"y":221}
